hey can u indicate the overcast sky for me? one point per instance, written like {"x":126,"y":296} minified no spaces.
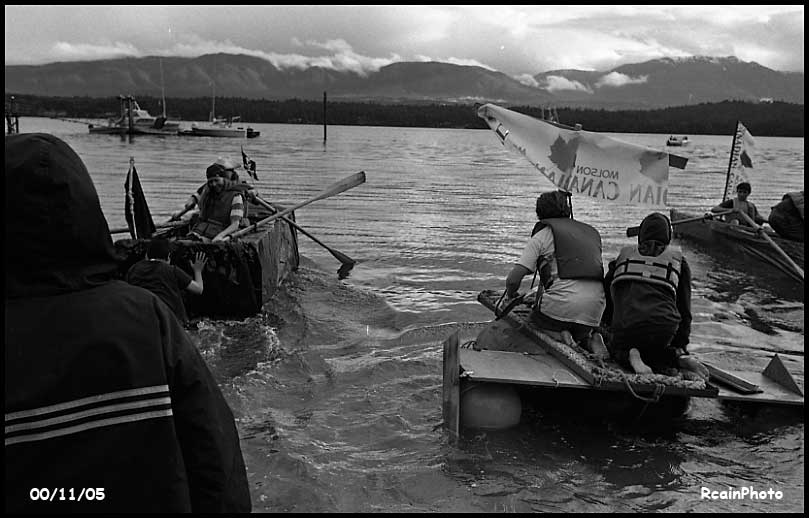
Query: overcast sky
{"x":518,"y":40}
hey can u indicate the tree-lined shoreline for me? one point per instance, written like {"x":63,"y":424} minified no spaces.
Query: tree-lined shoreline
{"x":777,"y":119}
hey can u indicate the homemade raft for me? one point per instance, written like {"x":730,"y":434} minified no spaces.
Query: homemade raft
{"x":240,"y":275}
{"x":541,"y":361}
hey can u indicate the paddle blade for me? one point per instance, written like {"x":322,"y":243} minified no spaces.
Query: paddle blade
{"x":349,"y":182}
{"x":344,"y":270}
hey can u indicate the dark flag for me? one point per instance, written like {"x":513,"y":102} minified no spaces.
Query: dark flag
{"x":249,"y":166}
{"x":136,"y":211}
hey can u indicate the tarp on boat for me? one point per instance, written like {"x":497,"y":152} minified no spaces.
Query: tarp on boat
{"x":239,"y":277}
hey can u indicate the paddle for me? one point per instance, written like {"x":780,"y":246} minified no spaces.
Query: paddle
{"x":634,"y":231}
{"x":345,"y":184}
{"x":338,"y":255}
{"x":773,"y":243}
{"x":162,"y":225}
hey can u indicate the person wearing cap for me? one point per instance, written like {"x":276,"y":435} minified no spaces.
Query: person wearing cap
{"x":648,"y":290}
{"x":105,"y":392}
{"x":224,"y":167}
{"x":740,"y":204}
{"x":567,"y":256}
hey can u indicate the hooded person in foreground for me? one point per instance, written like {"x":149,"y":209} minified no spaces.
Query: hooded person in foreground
{"x":108,"y":402}
{"x":648,"y":291}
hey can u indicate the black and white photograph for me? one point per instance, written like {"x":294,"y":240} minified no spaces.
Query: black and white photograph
{"x":404,"y":259}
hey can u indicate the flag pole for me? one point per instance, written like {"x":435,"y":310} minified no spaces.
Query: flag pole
{"x":730,"y":162}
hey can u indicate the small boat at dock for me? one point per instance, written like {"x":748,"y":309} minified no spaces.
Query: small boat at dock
{"x":135,"y":121}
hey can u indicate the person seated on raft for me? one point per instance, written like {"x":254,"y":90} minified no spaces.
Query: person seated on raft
{"x":222,"y":206}
{"x":740,"y":204}
{"x":566,"y":254}
{"x":648,"y":289}
{"x":230,"y":173}
{"x":786,"y":218}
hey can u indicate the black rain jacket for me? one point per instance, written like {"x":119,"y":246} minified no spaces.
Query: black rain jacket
{"x":109,"y":406}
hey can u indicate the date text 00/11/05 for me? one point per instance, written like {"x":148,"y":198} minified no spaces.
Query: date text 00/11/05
{"x":59,"y":494}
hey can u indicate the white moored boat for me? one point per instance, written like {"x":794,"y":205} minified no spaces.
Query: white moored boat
{"x":677,"y":140}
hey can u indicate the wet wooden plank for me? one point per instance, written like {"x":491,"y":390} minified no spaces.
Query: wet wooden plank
{"x":539,"y":369}
{"x":771,"y":392}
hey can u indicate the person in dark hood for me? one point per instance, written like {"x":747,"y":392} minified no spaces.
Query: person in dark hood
{"x":108,"y":402}
{"x":648,"y":289}
{"x":786,"y":218}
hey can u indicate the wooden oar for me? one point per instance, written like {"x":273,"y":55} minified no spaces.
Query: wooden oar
{"x":773,"y":243}
{"x":634,"y":231}
{"x":343,"y":258}
{"x":345,"y":184}
{"x":163,"y":225}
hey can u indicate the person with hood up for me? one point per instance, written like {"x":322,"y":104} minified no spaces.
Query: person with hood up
{"x":109,"y":405}
{"x":648,"y":290}
{"x":786,"y":218}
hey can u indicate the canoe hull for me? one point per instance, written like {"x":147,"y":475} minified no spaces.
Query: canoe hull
{"x":239,"y":278}
{"x":741,"y":245}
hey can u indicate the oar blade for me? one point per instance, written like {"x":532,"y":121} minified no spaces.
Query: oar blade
{"x":349,"y":182}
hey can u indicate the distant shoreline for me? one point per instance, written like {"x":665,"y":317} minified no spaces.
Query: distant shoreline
{"x":776,"y":119}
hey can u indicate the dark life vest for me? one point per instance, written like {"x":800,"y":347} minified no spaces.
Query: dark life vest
{"x":217,"y":213}
{"x":577,"y":248}
{"x":663,"y":269}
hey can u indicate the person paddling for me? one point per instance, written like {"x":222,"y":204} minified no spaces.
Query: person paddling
{"x":740,"y":204}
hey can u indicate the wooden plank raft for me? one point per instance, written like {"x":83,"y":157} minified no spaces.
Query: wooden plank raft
{"x":556,"y":364}
{"x":599,"y":375}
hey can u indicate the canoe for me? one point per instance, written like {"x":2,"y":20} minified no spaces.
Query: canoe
{"x":239,"y":277}
{"x":569,"y":376}
{"x":741,"y":244}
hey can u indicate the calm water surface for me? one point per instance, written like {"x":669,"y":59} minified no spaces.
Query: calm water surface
{"x":337,"y":386}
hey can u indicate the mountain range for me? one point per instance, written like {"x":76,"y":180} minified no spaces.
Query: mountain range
{"x":652,"y":84}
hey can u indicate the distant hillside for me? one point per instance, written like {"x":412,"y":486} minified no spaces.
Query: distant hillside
{"x":254,"y":78}
{"x":656,"y":83}
{"x":674,"y":82}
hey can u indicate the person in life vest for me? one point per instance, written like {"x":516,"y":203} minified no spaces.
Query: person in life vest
{"x":225,"y":168}
{"x":786,"y":218}
{"x":222,"y":208}
{"x":649,"y":304}
{"x":740,"y":204}
{"x":566,"y":254}
{"x":105,"y":393}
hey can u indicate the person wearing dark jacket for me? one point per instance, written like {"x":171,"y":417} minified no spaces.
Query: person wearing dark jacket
{"x":648,"y":289}
{"x":167,"y":281}
{"x":786,"y":218}
{"x":109,"y":406}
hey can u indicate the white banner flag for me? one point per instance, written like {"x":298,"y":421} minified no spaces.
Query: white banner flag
{"x":584,"y":162}
{"x":741,"y":161}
